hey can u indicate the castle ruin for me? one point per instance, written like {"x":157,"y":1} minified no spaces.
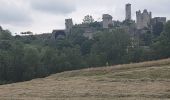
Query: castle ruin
{"x":128,"y":11}
{"x":107,"y":21}
{"x":68,"y":25}
{"x":143,"y":20}
{"x":144,"y":23}
{"x":159,"y":19}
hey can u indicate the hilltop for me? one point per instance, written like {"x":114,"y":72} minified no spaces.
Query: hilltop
{"x":139,"y":81}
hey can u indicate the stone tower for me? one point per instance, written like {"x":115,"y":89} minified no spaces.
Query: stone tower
{"x":68,"y":25}
{"x":107,"y":21}
{"x":143,"y":20}
{"x":128,"y":11}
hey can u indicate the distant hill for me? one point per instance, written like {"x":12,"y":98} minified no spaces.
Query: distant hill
{"x":140,"y":81}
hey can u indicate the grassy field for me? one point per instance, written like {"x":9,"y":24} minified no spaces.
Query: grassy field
{"x":140,"y":81}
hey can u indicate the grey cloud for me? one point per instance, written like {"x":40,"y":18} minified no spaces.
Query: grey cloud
{"x":13,"y":15}
{"x":155,"y":6}
{"x":16,"y":13}
{"x":53,"y":6}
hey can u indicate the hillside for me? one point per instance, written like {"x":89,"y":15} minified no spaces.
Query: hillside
{"x":140,"y":81}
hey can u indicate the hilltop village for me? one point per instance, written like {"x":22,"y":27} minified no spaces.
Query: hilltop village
{"x":144,"y":23}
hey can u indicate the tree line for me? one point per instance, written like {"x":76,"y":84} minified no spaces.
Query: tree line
{"x":23,"y":58}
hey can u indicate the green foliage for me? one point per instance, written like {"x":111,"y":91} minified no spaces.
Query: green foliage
{"x":88,"y":19}
{"x":162,"y":44}
{"x":146,"y":39}
{"x":96,"y":25}
{"x":139,"y":54}
{"x":86,"y":47}
{"x":5,"y":65}
{"x":31,"y":62}
{"x":113,"y":45}
{"x":5,"y":35}
{"x":27,"y":57}
{"x":157,"y":29}
{"x":128,"y":22}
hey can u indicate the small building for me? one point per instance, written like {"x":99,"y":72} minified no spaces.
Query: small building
{"x":58,"y":34}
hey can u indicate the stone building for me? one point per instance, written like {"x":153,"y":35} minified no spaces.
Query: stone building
{"x":128,"y":11}
{"x":158,"y":25}
{"x":86,"y":30}
{"x":143,"y":20}
{"x":68,"y":25}
{"x":58,"y":34}
{"x":107,"y":21}
{"x":159,"y":19}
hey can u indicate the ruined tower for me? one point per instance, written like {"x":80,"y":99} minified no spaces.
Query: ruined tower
{"x":107,"y":21}
{"x":128,"y":11}
{"x":68,"y":25}
{"x":143,"y":20}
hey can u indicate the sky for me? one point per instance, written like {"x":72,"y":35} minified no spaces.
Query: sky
{"x":42,"y":16}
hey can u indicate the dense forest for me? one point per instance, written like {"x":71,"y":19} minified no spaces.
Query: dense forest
{"x":23,"y":58}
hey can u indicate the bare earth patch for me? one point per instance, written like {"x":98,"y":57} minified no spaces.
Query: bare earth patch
{"x":143,"y":81}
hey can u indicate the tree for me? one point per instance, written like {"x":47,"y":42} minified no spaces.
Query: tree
{"x":31,"y":62}
{"x":96,"y":25}
{"x":5,"y":35}
{"x":88,"y":19}
{"x":138,"y":54}
{"x":5,"y":64}
{"x":162,"y":44}
{"x":146,"y":38}
{"x":112,"y":45}
{"x":73,"y":57}
{"x":49,"y":59}
{"x":17,"y":53}
{"x":157,"y":29}
{"x":86,"y":47}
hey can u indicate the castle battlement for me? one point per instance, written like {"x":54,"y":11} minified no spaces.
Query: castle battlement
{"x":143,"y":19}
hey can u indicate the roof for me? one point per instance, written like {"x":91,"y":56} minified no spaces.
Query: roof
{"x":57,"y":33}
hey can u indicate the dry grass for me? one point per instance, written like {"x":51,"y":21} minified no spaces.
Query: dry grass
{"x":141,"y":81}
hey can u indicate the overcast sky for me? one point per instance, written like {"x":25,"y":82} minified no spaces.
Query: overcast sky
{"x":41,"y":16}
